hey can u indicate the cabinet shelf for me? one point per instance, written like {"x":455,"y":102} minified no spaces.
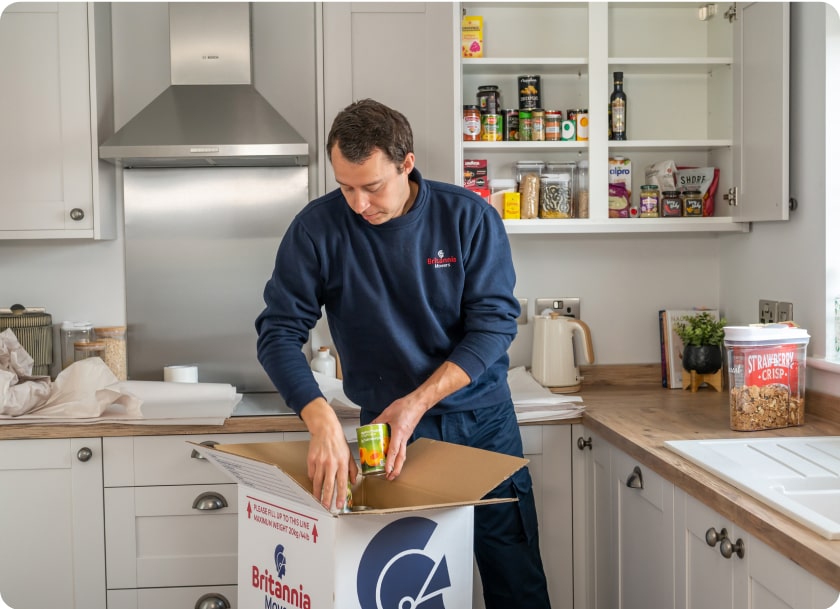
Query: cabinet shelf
{"x":666,"y":145}
{"x":526,"y":146}
{"x":667,"y":65}
{"x":513,"y":66}
{"x":626,"y":225}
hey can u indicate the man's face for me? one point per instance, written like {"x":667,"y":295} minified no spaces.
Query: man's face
{"x":374,"y":189}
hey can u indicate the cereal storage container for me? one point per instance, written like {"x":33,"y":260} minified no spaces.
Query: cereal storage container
{"x":766,"y":376}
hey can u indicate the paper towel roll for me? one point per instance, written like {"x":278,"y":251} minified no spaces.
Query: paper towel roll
{"x":180,"y":374}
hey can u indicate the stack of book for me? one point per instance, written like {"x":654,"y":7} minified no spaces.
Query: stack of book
{"x":672,"y":345}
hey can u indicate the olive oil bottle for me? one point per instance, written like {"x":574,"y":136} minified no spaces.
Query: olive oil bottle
{"x":618,"y":108}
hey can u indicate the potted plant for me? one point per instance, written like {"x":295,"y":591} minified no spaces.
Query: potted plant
{"x":702,"y":337}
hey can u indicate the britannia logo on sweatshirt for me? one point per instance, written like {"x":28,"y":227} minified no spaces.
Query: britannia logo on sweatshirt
{"x":441,"y":260}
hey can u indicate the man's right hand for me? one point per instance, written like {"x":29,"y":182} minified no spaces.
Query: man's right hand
{"x":329,"y":464}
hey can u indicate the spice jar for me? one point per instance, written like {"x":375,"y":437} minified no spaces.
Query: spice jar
{"x":649,"y":201}
{"x":85,"y":349}
{"x":553,"y":118}
{"x":537,"y":125}
{"x":71,"y":333}
{"x":113,"y":338}
{"x":472,"y":123}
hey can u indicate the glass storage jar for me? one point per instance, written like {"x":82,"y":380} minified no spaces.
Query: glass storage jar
{"x":71,"y":333}
{"x":113,"y":337}
{"x":86,"y":349}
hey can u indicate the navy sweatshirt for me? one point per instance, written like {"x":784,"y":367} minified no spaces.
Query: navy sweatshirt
{"x":432,"y":285}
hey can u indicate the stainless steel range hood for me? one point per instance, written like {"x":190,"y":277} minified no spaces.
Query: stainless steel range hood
{"x":211,"y":114}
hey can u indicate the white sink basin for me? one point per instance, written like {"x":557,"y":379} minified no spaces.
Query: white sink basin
{"x":797,"y":476}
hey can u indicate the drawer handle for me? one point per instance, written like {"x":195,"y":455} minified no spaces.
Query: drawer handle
{"x":77,"y":214}
{"x":84,"y":454}
{"x":209,"y":501}
{"x":713,"y":537}
{"x":197,"y":455}
{"x":212,"y":601}
{"x":581,"y":443}
{"x":634,"y":480}
{"x":727,"y":548}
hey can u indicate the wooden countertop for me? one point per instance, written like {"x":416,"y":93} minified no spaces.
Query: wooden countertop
{"x":628,"y":407}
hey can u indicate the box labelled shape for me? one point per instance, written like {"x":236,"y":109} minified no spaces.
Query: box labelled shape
{"x":414,"y":544}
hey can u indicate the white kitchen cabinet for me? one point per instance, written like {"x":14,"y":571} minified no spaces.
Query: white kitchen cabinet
{"x":52,"y":547}
{"x":50,"y":116}
{"x":170,"y":520}
{"x":399,"y":53}
{"x":548,"y":449}
{"x":701,"y":92}
{"x":752,"y":576}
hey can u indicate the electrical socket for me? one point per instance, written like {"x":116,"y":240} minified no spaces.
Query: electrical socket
{"x":773,"y":311}
{"x":785,"y":311}
{"x":567,"y":306}
{"x":768,"y":311}
{"x":523,"y":312}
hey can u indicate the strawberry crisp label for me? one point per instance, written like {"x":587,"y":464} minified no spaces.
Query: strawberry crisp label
{"x":771,"y":366}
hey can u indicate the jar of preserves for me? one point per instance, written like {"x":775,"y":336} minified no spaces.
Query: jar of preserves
{"x":472,"y":123}
{"x":649,"y":201}
{"x":489,"y":99}
{"x":553,"y":118}
{"x":85,"y":349}
{"x":692,"y":203}
{"x":670,"y":204}
{"x":537,"y":125}
{"x":115,"y":353}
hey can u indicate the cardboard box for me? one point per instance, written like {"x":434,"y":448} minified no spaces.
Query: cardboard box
{"x":416,"y":542}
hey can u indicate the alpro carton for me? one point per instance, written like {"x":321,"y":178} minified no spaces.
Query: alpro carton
{"x":412,"y":548}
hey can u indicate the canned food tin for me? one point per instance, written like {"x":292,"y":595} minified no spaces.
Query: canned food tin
{"x":567,"y":130}
{"x":373,"y":442}
{"x":529,"y":92}
{"x":582,"y":120}
{"x":510,"y":125}
{"x":491,"y":127}
{"x":537,"y":125}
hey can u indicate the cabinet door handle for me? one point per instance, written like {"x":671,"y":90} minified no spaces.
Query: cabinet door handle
{"x":587,"y":443}
{"x":197,"y":455}
{"x":214,"y":600}
{"x":713,"y":537}
{"x":77,"y":214}
{"x":209,"y":501}
{"x":727,"y":548}
{"x":84,"y":454}
{"x":634,"y":480}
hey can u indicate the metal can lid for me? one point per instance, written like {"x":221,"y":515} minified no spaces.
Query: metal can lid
{"x":471,"y":107}
{"x":488,"y":88}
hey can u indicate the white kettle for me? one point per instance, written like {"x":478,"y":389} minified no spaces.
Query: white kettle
{"x":553,"y":362}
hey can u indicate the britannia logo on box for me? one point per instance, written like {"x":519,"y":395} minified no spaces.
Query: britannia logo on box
{"x":274,"y":587}
{"x":394,"y":569}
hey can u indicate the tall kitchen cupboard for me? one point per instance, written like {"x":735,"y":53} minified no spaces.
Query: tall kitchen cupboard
{"x":706,"y":86}
{"x":55,"y":74}
{"x":399,"y":53}
{"x":52,"y":543}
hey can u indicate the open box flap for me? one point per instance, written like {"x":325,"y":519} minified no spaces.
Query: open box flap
{"x":436,"y":474}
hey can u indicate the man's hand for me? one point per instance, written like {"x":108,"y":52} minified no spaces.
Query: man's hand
{"x":404,"y":414}
{"x":329,"y":462}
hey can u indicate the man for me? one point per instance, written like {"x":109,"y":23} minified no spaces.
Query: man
{"x":416,"y":278}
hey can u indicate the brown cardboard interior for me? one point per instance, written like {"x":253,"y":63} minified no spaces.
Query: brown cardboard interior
{"x":435,"y":473}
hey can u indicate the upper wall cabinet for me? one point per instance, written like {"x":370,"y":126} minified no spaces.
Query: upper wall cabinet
{"x":49,"y":169}
{"x":706,"y":86}
{"x":399,"y":53}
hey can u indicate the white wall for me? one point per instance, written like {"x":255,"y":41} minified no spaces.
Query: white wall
{"x":622,"y":280}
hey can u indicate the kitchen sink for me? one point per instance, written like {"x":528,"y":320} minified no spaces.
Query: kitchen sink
{"x":800,"y":477}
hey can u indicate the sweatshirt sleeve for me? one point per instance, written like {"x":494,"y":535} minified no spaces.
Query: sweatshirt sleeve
{"x":292,"y":298}
{"x":489,"y":307}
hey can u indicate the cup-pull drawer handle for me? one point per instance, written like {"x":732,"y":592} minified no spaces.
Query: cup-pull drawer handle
{"x":209,"y":501}
{"x":214,"y":600}
{"x":197,"y":455}
{"x":634,"y":480}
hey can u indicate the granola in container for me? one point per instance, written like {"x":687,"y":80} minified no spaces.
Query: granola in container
{"x":766,"y":376}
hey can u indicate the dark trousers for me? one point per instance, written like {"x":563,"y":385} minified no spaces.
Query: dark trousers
{"x":506,"y":540}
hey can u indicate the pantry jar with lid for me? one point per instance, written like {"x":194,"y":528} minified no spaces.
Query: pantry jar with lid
{"x":114,"y":356}
{"x":71,"y":333}
{"x":489,"y":99}
{"x":582,"y":189}
{"x":86,"y":349}
{"x":766,"y":376}
{"x":472,"y":123}
{"x":556,"y":195}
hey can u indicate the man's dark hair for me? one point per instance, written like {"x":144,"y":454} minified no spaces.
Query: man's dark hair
{"x":366,"y":125}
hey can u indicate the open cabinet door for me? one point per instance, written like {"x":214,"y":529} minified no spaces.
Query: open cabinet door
{"x":761,"y":148}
